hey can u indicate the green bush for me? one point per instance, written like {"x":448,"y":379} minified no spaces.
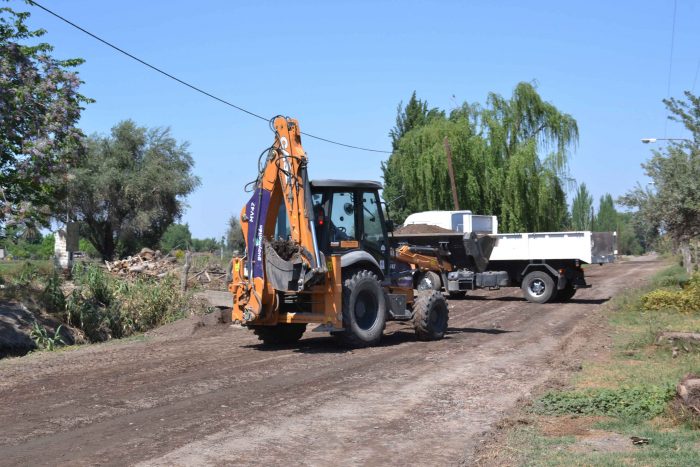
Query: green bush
{"x":642,"y":402}
{"x":52,"y":297}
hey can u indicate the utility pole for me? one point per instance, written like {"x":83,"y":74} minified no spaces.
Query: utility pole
{"x":450,"y":170}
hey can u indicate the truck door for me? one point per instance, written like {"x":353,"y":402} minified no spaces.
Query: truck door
{"x":373,"y":235}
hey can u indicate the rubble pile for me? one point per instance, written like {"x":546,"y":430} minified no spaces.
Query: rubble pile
{"x":147,"y":261}
{"x":212,"y":277}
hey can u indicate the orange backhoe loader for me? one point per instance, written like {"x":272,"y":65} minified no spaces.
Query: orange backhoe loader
{"x":320,"y":253}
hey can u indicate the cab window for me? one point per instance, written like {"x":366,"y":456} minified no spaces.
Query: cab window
{"x":342,"y":225}
{"x":373,"y":234}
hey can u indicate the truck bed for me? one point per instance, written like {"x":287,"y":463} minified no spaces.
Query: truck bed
{"x":586,"y":247}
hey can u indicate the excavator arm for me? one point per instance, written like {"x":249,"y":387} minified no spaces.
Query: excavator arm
{"x":277,"y":264}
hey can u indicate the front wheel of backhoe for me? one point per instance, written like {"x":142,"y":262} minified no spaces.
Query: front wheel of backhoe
{"x":364,"y":309}
{"x":281,"y":334}
{"x":430,"y":315}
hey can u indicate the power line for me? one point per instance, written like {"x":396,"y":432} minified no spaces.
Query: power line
{"x":185,"y":83}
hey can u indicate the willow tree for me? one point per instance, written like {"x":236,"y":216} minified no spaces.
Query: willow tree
{"x":510,"y":158}
{"x":533,"y":139}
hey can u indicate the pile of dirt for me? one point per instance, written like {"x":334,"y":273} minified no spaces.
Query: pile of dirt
{"x":147,"y":261}
{"x":421,"y":229}
{"x":285,"y":249}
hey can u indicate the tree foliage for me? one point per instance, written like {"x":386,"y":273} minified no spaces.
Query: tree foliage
{"x":607,"y":219}
{"x":177,"y":236}
{"x":582,"y":209}
{"x":673,"y":206}
{"x":415,"y":114}
{"x":234,"y":235}
{"x":509,"y":157}
{"x":130,"y":187}
{"x":39,"y":109}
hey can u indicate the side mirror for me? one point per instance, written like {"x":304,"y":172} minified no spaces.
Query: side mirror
{"x":390,"y":225}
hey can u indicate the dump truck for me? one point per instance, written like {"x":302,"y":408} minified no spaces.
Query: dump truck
{"x":547,"y":266}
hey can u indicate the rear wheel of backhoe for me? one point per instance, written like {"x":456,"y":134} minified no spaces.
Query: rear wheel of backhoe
{"x":364,"y":309}
{"x":430,"y":315}
{"x":281,"y":334}
{"x":429,"y":280}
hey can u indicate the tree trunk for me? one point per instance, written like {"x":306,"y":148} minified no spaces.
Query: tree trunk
{"x":684,"y":247}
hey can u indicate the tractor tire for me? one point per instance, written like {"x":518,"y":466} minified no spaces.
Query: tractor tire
{"x":364,"y":309}
{"x":279,"y":335}
{"x":538,"y":287}
{"x":566,"y":294}
{"x":429,"y":281}
{"x":430,"y":316}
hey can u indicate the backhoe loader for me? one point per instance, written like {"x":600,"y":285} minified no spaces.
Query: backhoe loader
{"x":320,"y":253}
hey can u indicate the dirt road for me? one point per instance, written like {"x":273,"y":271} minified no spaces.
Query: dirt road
{"x":214,"y":396}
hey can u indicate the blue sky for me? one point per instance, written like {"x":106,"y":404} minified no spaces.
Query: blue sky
{"x":341,"y":68}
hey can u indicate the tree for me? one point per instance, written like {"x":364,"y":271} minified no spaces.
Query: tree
{"x":673,"y":206}
{"x":509,"y":157}
{"x":607,"y":219}
{"x":39,"y":109}
{"x":177,"y":236}
{"x":234,"y":235}
{"x":629,"y":241}
{"x":130,"y":188}
{"x":205,"y":244}
{"x":582,"y":209}
{"x":415,"y":114}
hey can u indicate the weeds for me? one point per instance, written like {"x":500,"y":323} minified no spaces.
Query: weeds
{"x":105,"y":307}
{"x":643,"y":402}
{"x":43,"y":340}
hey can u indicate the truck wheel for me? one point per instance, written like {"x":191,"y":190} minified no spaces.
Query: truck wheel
{"x":430,"y":315}
{"x":364,"y":309}
{"x":429,"y":281}
{"x":538,"y":287}
{"x":281,"y":334}
{"x":566,"y":293}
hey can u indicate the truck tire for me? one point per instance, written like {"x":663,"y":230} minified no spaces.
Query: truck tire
{"x":429,"y":281}
{"x":430,"y":315}
{"x":281,"y":334}
{"x":538,"y":287}
{"x":364,"y":309}
{"x":565,"y":294}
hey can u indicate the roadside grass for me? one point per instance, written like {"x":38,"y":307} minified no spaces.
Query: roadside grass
{"x":625,"y":395}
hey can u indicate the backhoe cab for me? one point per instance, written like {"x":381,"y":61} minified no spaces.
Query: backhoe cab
{"x":319,"y":253}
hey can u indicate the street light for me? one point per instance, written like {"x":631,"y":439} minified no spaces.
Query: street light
{"x":654,"y":140}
